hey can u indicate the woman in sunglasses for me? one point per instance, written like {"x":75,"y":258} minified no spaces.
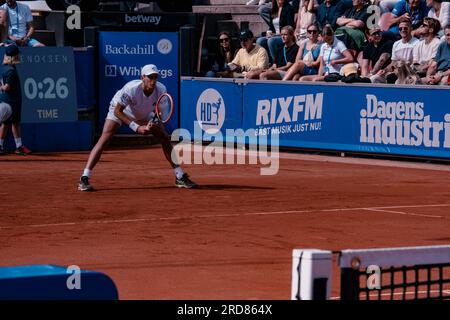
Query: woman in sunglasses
{"x":224,"y":55}
{"x":333,"y":56}
{"x":307,"y":60}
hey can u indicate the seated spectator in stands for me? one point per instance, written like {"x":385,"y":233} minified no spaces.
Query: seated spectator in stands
{"x":330,"y":10}
{"x":402,"y":50}
{"x":307,"y":61}
{"x":333,"y":56}
{"x":284,"y":58}
{"x":376,"y":54}
{"x":20,"y":24}
{"x":305,"y":17}
{"x":441,"y":11}
{"x":250,"y":59}
{"x":352,"y":25}
{"x":224,"y":55}
{"x":283,"y":14}
{"x":407,"y":10}
{"x":387,"y":5}
{"x":265,"y":11}
{"x":3,"y":26}
{"x":425,"y":50}
{"x":439,"y":70}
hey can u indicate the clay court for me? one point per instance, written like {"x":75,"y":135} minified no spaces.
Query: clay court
{"x":230,"y":239}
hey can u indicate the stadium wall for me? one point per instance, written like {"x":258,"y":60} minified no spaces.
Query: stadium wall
{"x":375,"y":119}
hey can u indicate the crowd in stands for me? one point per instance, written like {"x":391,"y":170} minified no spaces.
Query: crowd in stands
{"x":16,"y":25}
{"x":372,"y":41}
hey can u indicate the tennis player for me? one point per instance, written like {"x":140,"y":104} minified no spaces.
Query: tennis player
{"x":134,"y":106}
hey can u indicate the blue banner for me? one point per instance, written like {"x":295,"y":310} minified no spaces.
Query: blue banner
{"x":47,"y":77}
{"x":214,"y":105}
{"x":376,"y":119}
{"x":121,"y":57}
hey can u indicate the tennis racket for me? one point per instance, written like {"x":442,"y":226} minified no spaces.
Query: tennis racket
{"x":164,"y":109}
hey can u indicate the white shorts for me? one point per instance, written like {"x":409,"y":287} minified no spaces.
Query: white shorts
{"x":111,"y":116}
{"x":5,"y":111}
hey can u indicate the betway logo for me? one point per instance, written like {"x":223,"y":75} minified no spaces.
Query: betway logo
{"x":143,"y":19}
{"x":124,"y":49}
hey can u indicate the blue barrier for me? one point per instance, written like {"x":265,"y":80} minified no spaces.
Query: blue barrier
{"x":48,"y":282}
{"x":85,"y":77}
{"x":413,"y":121}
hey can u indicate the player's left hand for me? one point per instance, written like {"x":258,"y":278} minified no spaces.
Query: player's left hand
{"x":143,"y":130}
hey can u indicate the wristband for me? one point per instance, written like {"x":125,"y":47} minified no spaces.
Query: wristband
{"x":134,"y":126}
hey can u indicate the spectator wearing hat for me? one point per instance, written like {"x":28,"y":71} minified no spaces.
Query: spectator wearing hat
{"x":250,"y":59}
{"x":20,"y":24}
{"x":10,"y":93}
{"x":377,"y":53}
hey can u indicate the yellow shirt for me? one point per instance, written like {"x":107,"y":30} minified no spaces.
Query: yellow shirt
{"x":256,"y":59}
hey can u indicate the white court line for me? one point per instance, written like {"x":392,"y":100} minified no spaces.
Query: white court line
{"x":405,"y":213}
{"x":379,"y":209}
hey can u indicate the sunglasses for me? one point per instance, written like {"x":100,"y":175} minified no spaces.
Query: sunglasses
{"x":224,"y":39}
{"x":403,"y":29}
{"x":312,"y":31}
{"x":377,"y":33}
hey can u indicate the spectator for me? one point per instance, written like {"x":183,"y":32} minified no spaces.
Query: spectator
{"x":20,"y":22}
{"x":441,"y":11}
{"x":224,"y":55}
{"x":387,"y":5}
{"x":329,"y":11}
{"x":284,"y":16}
{"x":425,"y":50}
{"x":284,"y":58}
{"x":265,"y":11}
{"x":407,"y":10}
{"x":402,"y":50}
{"x":376,"y":54}
{"x":305,"y":17}
{"x":307,"y":61}
{"x":250,"y":59}
{"x":3,"y":26}
{"x":11,"y":94}
{"x":333,"y":56}
{"x":352,"y":25}
{"x":439,"y":70}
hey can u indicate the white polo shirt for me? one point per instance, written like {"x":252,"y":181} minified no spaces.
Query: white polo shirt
{"x":18,"y":19}
{"x":332,"y":52}
{"x":138,"y":105}
{"x":403,"y":51}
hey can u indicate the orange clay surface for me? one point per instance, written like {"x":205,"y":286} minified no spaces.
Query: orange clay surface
{"x":230,"y":239}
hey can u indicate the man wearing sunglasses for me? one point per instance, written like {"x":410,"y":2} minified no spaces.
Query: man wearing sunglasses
{"x":425,"y":50}
{"x":377,"y":54}
{"x":402,"y":51}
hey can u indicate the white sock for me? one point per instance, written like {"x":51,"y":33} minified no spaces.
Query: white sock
{"x":18,"y":142}
{"x":86,"y":173}
{"x":1,"y":143}
{"x":178,"y":172}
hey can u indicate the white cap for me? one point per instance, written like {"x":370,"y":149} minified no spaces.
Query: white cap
{"x":149,"y":69}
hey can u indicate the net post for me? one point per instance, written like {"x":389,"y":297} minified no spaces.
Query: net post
{"x":311,"y":274}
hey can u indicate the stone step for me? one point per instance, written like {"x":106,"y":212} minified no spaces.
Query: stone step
{"x":233,"y":9}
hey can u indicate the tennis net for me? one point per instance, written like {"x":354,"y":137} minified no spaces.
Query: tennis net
{"x":407,"y":273}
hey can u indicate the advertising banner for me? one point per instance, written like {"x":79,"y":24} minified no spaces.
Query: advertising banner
{"x":47,"y":78}
{"x":371,"y":119}
{"x":121,"y":57}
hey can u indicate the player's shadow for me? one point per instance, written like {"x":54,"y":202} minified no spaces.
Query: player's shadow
{"x":231,"y":187}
